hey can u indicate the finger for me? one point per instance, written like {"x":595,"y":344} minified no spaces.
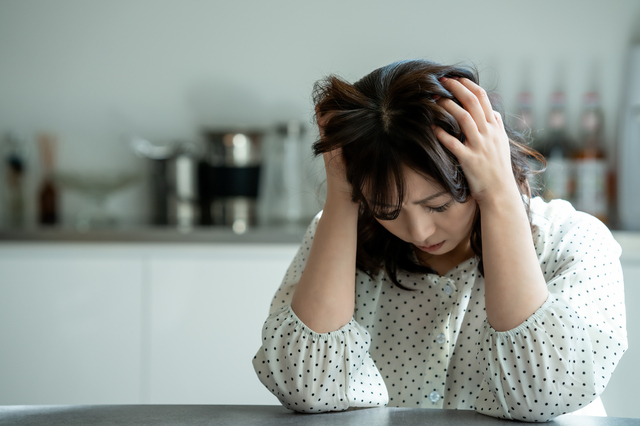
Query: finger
{"x":450,"y":142}
{"x":469,"y":101}
{"x":463,"y":117}
{"x":498,"y":118}
{"x":482,"y":96}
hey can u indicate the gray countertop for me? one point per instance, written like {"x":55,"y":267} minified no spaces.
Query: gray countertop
{"x":629,"y":240}
{"x":211,"y":234}
{"x":221,"y":415}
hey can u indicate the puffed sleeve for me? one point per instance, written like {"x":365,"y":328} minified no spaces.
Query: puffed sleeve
{"x":315,"y":372}
{"x":562,"y":357}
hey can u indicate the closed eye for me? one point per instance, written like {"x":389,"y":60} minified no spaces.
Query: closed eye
{"x":439,"y":209}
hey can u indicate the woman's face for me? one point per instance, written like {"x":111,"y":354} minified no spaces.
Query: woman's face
{"x":431,"y":220}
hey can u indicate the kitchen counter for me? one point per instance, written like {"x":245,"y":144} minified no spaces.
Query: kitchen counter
{"x":220,"y":415}
{"x":210,"y":234}
{"x":630,"y":241}
{"x":287,"y":234}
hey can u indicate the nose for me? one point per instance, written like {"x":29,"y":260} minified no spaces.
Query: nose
{"x":420,"y":228}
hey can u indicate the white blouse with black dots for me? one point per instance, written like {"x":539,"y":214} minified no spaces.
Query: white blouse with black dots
{"x":434,"y":348}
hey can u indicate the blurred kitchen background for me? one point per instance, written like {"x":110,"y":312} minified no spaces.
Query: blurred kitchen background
{"x":156,"y":172}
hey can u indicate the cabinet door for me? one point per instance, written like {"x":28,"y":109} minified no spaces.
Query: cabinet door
{"x":69,"y":325}
{"x":620,"y":396}
{"x":207,"y":311}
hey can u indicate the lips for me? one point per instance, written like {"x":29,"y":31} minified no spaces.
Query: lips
{"x":432,"y":248}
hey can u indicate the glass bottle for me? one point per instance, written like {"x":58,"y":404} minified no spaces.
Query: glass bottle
{"x":557,"y":148}
{"x":282,"y":194}
{"x":524,"y":121}
{"x":591,"y":165}
{"x":524,"y":124}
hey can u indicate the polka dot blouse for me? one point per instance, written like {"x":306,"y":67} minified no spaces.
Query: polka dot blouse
{"x":434,"y":348}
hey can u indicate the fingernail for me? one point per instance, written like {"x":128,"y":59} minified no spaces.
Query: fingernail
{"x":436,"y":97}
{"x":433,"y":127}
{"x":456,"y":78}
{"x":442,"y":79}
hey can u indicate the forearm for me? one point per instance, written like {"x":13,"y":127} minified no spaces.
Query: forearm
{"x":514,"y":285}
{"x":324,"y":298}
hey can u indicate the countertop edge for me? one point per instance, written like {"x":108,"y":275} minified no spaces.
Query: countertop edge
{"x":628,"y":240}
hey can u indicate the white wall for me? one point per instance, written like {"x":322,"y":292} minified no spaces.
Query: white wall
{"x":90,"y":70}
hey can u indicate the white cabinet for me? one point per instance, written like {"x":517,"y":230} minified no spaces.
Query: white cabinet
{"x":207,"y":310}
{"x":620,"y":396}
{"x":129,"y":324}
{"x":69,"y":326}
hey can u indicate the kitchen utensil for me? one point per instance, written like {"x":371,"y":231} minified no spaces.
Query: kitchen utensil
{"x":96,"y":188}
{"x":283,"y":195}
{"x":230,"y":178}
{"x":174,"y":180}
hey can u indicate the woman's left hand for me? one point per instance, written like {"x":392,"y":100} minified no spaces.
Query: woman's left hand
{"x":485,"y":156}
{"x":514,"y":285}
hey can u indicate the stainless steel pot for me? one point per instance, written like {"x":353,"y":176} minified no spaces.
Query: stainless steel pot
{"x":174,"y":180}
{"x":230,"y":178}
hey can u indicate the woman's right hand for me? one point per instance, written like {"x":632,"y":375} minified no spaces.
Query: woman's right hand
{"x":324,"y":297}
{"x":336,"y":170}
{"x":335,"y":167}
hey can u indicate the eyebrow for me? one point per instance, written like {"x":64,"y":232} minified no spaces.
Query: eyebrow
{"x":430,"y":197}
{"x":424,"y":200}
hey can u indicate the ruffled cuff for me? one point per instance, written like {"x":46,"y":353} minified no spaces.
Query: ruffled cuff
{"x":316,"y":372}
{"x":540,"y":369}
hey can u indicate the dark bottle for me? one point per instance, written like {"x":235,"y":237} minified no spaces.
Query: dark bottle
{"x":48,"y":210}
{"x":48,"y":193}
{"x":15,"y":165}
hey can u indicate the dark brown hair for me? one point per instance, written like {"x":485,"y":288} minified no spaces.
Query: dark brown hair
{"x":383,"y":122}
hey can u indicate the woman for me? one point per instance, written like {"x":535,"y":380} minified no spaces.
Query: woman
{"x":431,"y":278}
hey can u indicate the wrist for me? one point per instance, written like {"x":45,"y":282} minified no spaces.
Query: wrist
{"x":339,"y":195}
{"x":498,"y":200}
{"x":341,"y":203}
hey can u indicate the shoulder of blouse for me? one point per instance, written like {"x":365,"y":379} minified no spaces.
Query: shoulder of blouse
{"x":558,"y":221}
{"x":313,"y":225}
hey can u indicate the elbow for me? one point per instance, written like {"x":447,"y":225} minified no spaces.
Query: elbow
{"x":531,"y":404}
{"x":308,"y":401}
{"x":300,"y":392}
{"x":524,"y":414}
{"x":519,"y":412}
{"x":544,"y":409}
